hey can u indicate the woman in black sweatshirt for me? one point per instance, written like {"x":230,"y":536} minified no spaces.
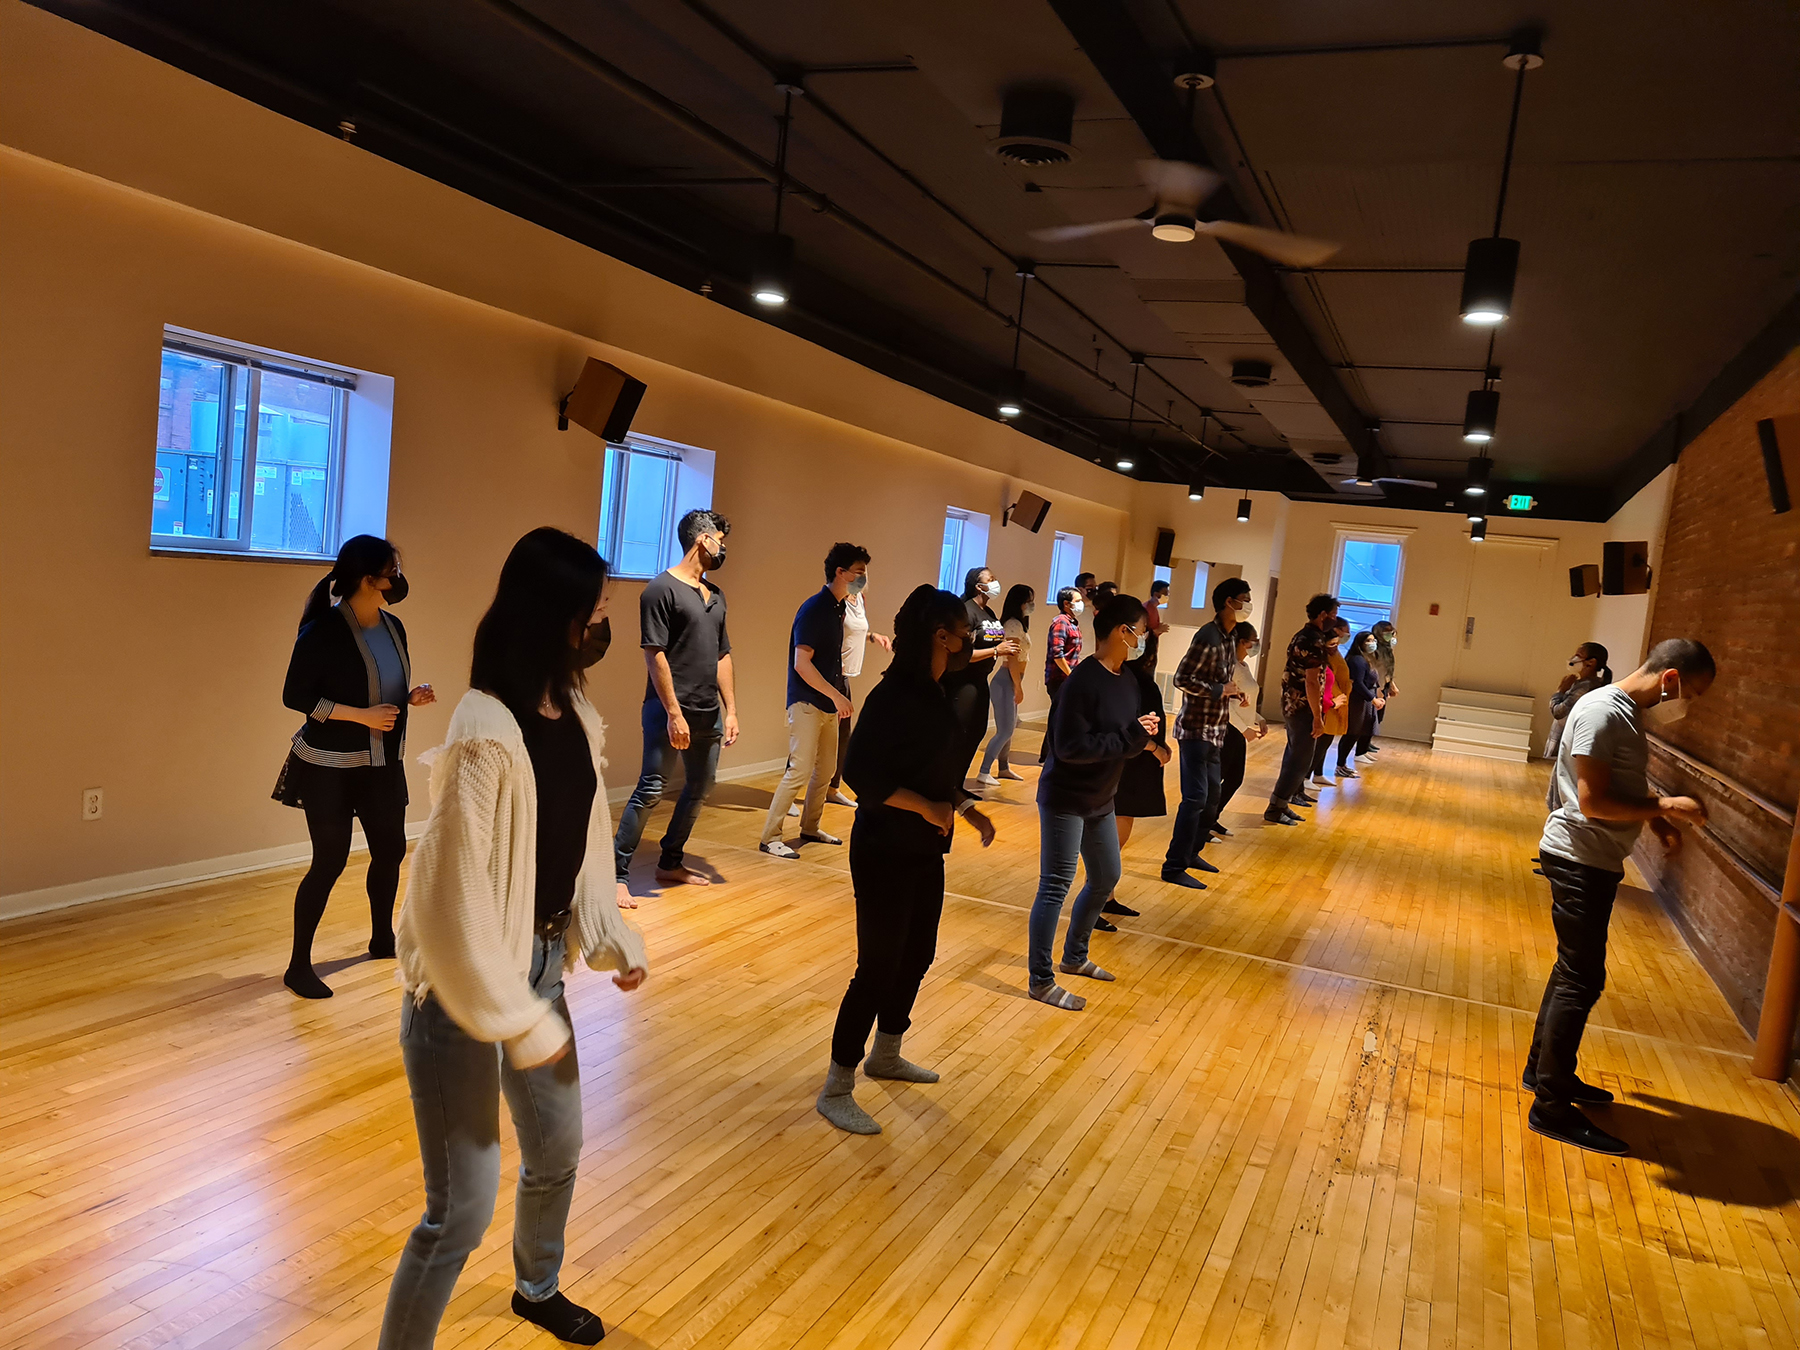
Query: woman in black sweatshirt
{"x":906,"y":763}
{"x":350,"y":675}
{"x":1096,"y":723}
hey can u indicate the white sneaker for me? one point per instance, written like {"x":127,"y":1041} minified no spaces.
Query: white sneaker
{"x":987,"y":780}
{"x":776,"y":849}
{"x":839,"y":798}
{"x":794,"y":810}
{"x":1320,"y":780}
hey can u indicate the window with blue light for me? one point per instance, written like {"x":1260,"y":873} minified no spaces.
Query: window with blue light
{"x":1366,"y":579}
{"x":1065,"y":563}
{"x":647,"y":487}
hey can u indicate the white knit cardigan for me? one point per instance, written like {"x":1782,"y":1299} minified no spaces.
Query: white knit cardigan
{"x":466,"y":925}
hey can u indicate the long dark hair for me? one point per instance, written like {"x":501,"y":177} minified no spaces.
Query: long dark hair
{"x":363,"y":555}
{"x":524,"y":644}
{"x":1014,"y":608}
{"x":972,"y":579}
{"x":1598,"y":654}
{"x":922,"y":613}
{"x":1357,"y":642}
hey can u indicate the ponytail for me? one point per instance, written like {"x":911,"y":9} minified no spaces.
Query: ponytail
{"x":362,"y":556}
{"x":1598,"y":653}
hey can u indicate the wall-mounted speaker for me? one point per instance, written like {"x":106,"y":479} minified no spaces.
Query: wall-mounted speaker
{"x":1770,"y":432}
{"x":1584,"y":580}
{"x":1165,"y":548}
{"x":1625,"y":567}
{"x":1028,"y":511}
{"x":604,"y":400}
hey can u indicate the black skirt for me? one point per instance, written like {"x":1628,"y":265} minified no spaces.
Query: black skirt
{"x":296,"y":775}
{"x":1141,"y":788}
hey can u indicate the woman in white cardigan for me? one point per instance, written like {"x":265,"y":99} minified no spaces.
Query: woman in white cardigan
{"x":512,"y":881}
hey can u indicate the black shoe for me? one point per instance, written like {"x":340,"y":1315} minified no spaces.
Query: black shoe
{"x":1183,"y":879}
{"x":1221,"y":831}
{"x":1114,"y":907}
{"x":563,"y":1319}
{"x":304,"y":981}
{"x":382,"y":949}
{"x":1202,"y":864}
{"x":1301,"y":799}
{"x":1105,"y":926}
{"x":1282,"y":817}
{"x":1586,"y":1094}
{"x":1566,"y":1125}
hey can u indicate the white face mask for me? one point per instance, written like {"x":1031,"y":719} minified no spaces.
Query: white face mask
{"x":990,"y":589}
{"x":1392,"y":639}
{"x":1075,"y":606}
{"x":1027,"y":608}
{"x":1368,"y":646}
{"x":1134,"y":640}
{"x":1670,"y":709}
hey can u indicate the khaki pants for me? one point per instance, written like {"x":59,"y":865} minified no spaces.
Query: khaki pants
{"x":812,"y":755}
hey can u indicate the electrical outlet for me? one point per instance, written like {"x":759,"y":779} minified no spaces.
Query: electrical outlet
{"x":92,"y":801}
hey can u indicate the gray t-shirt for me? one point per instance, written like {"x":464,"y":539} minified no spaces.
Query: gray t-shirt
{"x":1605,"y":725}
{"x":387,"y":663}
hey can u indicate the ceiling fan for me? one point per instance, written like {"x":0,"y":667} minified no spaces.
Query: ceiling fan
{"x":1179,"y":188}
{"x":1355,"y":481}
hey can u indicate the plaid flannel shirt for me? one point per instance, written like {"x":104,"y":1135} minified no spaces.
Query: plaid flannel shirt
{"x":1065,"y":641}
{"x":1201,"y":677}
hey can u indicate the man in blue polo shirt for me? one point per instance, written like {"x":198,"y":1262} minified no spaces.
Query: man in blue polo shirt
{"x":818,"y":697}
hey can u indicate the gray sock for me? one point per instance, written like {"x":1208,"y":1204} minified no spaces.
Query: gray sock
{"x":839,"y":1107}
{"x":885,"y":1062}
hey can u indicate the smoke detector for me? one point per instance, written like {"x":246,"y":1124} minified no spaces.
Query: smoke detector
{"x":1251,"y":374}
{"x":1037,"y":128}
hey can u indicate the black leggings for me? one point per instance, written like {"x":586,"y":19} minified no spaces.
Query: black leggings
{"x":899,"y":900}
{"x":1231,"y":766}
{"x":331,"y":798}
{"x":969,"y":700}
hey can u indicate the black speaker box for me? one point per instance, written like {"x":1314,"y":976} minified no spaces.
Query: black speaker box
{"x":1028,"y":511}
{"x":1625,"y":567}
{"x":1584,"y":580}
{"x":604,"y":400}
{"x":1165,"y":548}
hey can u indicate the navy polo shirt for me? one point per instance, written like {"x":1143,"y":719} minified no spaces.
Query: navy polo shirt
{"x":818,"y":624}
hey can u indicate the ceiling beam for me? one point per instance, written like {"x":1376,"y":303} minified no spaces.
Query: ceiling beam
{"x":1142,"y":83}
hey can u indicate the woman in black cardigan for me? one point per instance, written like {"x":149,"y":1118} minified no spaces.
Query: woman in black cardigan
{"x":351,"y":677}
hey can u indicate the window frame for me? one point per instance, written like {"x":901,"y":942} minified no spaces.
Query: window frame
{"x":1345,"y":533}
{"x":1058,"y":539}
{"x":246,"y":364}
{"x":612,"y":531}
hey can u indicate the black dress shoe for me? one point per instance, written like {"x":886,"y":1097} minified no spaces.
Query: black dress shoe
{"x":1105,"y":926}
{"x":1566,"y":1125}
{"x":1114,"y":907}
{"x":1586,"y":1094}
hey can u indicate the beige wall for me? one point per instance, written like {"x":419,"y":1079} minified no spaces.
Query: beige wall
{"x":158,"y":679}
{"x":1622,"y":622}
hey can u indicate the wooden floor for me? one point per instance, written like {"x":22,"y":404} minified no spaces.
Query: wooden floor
{"x":1294,"y":1121}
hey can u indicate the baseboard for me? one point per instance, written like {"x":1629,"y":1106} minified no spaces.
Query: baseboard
{"x":22,"y":903}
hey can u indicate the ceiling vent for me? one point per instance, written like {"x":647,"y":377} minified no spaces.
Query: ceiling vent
{"x":1251,"y":374}
{"x":1037,"y":128}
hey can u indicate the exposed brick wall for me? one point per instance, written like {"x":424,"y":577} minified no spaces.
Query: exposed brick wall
{"x":1729,"y":575}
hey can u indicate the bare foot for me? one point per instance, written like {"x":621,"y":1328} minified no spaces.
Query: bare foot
{"x":682,"y":876}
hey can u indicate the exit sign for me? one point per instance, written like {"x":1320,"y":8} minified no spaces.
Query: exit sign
{"x":1520,"y":502}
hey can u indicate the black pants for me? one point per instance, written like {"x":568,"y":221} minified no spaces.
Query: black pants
{"x":837,"y":778}
{"x":1581,"y":904}
{"x":1231,"y":766}
{"x":1362,"y":712}
{"x":1370,"y":727}
{"x":899,"y":900}
{"x":1320,"y":745}
{"x":969,"y":701}
{"x":1296,"y":760}
{"x":332,"y":798}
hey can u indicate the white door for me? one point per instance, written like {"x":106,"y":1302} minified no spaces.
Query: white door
{"x":1495,"y":649}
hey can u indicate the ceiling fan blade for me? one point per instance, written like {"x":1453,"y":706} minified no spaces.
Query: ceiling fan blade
{"x":1409,"y":482}
{"x":1056,"y":234}
{"x":1295,"y":250}
{"x":1176,"y":183}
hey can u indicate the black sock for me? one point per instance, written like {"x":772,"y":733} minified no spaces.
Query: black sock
{"x":562,"y":1319}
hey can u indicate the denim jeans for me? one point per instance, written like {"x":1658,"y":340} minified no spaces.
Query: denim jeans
{"x":1296,"y":760}
{"x":456,"y":1085}
{"x":1202,"y":783}
{"x":1006,"y":718}
{"x":699,"y":765}
{"x":1063,"y":839}
{"x":1581,"y":904}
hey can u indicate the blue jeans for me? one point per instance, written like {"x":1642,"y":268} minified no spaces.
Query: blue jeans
{"x":1202,"y":783}
{"x":1296,"y":760}
{"x":1064,"y":838}
{"x":456,"y":1085}
{"x":699,"y":765}
{"x":1006,"y":718}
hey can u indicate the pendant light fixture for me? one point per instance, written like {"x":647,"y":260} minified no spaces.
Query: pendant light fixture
{"x":1479,"y":468}
{"x":769,"y":280}
{"x":1125,"y":461}
{"x":1196,"y":491}
{"x":1012,"y":388}
{"x":1244,"y":508}
{"x":1478,"y":531}
{"x":1196,"y":488}
{"x":1481,"y":413}
{"x":1492,"y":264}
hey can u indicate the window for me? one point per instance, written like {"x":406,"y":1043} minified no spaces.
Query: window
{"x":1202,"y":600}
{"x":1365,"y":575}
{"x":275,"y":481}
{"x":965,"y":546}
{"x":1065,"y":563}
{"x":1162,"y":574}
{"x":647,"y":487}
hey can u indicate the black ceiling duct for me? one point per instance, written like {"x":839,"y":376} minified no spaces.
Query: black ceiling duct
{"x":1037,"y":127}
{"x":1251,"y":374}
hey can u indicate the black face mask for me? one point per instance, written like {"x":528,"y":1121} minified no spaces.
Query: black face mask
{"x":714,"y":561}
{"x":397,"y":589}
{"x":594,"y":641}
{"x":958,"y":659}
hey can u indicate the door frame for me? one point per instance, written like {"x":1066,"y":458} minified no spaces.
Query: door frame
{"x":1545,"y":547}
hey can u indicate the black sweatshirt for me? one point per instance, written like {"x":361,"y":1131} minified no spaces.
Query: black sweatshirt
{"x":906,"y":737}
{"x":1093,"y":731}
